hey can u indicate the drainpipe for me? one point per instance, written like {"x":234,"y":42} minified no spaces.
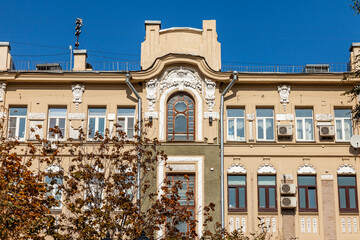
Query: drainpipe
{"x":235,"y":77}
{"x":128,"y":76}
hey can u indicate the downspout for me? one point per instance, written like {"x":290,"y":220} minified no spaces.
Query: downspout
{"x":128,"y":76}
{"x":235,"y":77}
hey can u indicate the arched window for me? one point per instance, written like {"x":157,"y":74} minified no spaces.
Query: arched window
{"x":180,"y":117}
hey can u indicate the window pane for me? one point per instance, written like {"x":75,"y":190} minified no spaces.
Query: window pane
{"x":347,"y":129}
{"x":271,"y":197}
{"x":121,"y":123}
{"x":299,"y":129}
{"x":343,"y":113}
{"x":303,"y":113}
{"x":18,"y":111}
{"x":182,"y":227}
{"x":306,"y":180}
{"x":97,"y":111}
{"x":338,"y":130}
{"x":264,"y":113}
{"x":260,"y":130}
{"x":180,"y":106}
{"x":126,"y":112}
{"x":130,"y":130}
{"x":342,"y":198}
{"x":232,"y":197}
{"x":22,"y":127}
{"x":180,"y":124}
{"x":309,"y":129}
{"x":352,"y":198}
{"x":236,"y":180}
{"x":101,"y":126}
{"x":302,"y":198}
{"x":91,"y":127}
{"x":269,"y":129}
{"x":62,"y":125}
{"x":242,"y":197}
{"x":240,"y":128}
{"x":346,"y":181}
{"x":235,"y":112}
{"x":57,"y":112}
{"x":312,"y":198}
{"x":262,"y":199}
{"x":231,"y":129}
{"x":266,"y":180}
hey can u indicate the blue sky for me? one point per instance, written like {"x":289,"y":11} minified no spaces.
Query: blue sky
{"x":251,"y":32}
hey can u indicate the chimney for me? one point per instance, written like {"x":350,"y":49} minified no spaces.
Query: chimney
{"x":355,"y":56}
{"x":5,"y":57}
{"x":80,"y":57}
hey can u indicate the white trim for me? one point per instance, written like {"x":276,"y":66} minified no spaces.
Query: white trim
{"x":346,"y":169}
{"x":236,"y":168}
{"x":199,"y":177}
{"x":199,"y":113}
{"x":266,"y":168}
{"x":306,"y":169}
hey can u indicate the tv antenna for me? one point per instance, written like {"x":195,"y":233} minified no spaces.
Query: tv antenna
{"x":79,"y":23}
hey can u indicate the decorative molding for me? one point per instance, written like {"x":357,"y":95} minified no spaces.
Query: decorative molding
{"x":2,"y":91}
{"x":238,"y":226}
{"x":346,"y":169}
{"x":2,"y":114}
{"x":236,"y":168}
{"x":214,"y":115}
{"x":180,"y":77}
{"x":210,"y":94}
{"x":77,"y":91}
{"x":324,"y":123}
{"x":231,"y":224}
{"x":111,"y":116}
{"x":151,"y":94}
{"x":243,"y":225}
{"x":285,"y":117}
{"x":182,"y":167}
{"x":306,"y":169}
{"x":151,"y":114}
{"x":250,"y":116}
{"x":37,"y":116}
{"x":324,"y":117}
{"x":266,"y":168}
{"x":284,"y":92}
{"x":76,"y":116}
{"x":327,"y":177}
{"x":35,"y":129}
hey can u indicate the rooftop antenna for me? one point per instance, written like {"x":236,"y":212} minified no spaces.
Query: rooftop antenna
{"x":79,"y":23}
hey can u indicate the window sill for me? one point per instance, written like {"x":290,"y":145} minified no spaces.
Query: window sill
{"x":272,"y":210}
{"x":266,"y":141}
{"x":309,"y":212}
{"x":349,"y":212}
{"x":237,"y":210}
{"x":305,"y":141}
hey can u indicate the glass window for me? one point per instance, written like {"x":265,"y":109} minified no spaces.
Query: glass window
{"x":17,"y":122}
{"x":180,"y":118}
{"x":267,"y":193}
{"x":236,"y":124}
{"x":126,"y":121}
{"x":57,"y":118}
{"x":347,"y":194}
{"x":307,"y":193}
{"x":343,"y":124}
{"x":265,"y":124}
{"x":304,"y":124}
{"x":96,"y":122}
{"x":53,"y":189}
{"x":237,"y":192}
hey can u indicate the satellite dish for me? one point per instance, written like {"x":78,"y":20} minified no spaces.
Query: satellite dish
{"x":355,"y":141}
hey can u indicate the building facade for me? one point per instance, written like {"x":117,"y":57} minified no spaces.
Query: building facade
{"x":265,"y":144}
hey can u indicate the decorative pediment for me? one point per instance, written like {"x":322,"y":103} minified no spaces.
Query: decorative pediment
{"x":236,"y":168}
{"x":346,"y":169}
{"x":266,"y":168}
{"x":306,"y":169}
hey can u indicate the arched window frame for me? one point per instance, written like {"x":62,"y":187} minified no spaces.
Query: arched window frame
{"x":348,"y":172}
{"x":172,"y":113}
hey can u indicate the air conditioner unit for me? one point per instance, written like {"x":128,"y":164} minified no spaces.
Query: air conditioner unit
{"x":287,"y":188}
{"x":288,"y":202}
{"x":285,"y":130}
{"x":327,"y":131}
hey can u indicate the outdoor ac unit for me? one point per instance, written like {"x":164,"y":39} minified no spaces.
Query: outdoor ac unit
{"x":288,"y":202}
{"x":327,"y":131}
{"x":285,"y":130}
{"x":287,"y":188}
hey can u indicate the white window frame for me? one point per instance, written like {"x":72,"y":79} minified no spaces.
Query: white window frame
{"x":56,"y":136}
{"x":343,"y":126}
{"x":263,"y":119}
{"x":54,"y":169}
{"x":126,"y":118}
{"x":17,"y":128}
{"x":303,"y":120}
{"x":97,"y":117}
{"x":236,"y":138}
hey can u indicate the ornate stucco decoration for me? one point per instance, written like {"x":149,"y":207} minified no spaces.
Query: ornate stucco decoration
{"x":266,"y":168}
{"x":76,"y":116}
{"x":284,"y":92}
{"x":37,"y":116}
{"x":2,"y":91}
{"x":210,"y":94}
{"x":77,"y":91}
{"x":324,"y":117}
{"x":346,"y":169}
{"x":236,"y":168}
{"x":151,"y":94}
{"x":306,"y":169}
{"x":250,"y":116}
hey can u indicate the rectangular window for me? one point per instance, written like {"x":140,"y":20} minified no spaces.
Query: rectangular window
{"x":347,"y":194}
{"x":96,"y":122}
{"x":307,"y":193}
{"x":237,"y":192}
{"x":53,"y":189}
{"x":17,"y":122}
{"x":267,"y":193}
{"x":186,"y":194}
{"x":265,"y":124}
{"x":57,"y":118}
{"x":236,"y":124}
{"x":343,"y":124}
{"x":304,"y":125}
{"x":126,"y":121}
